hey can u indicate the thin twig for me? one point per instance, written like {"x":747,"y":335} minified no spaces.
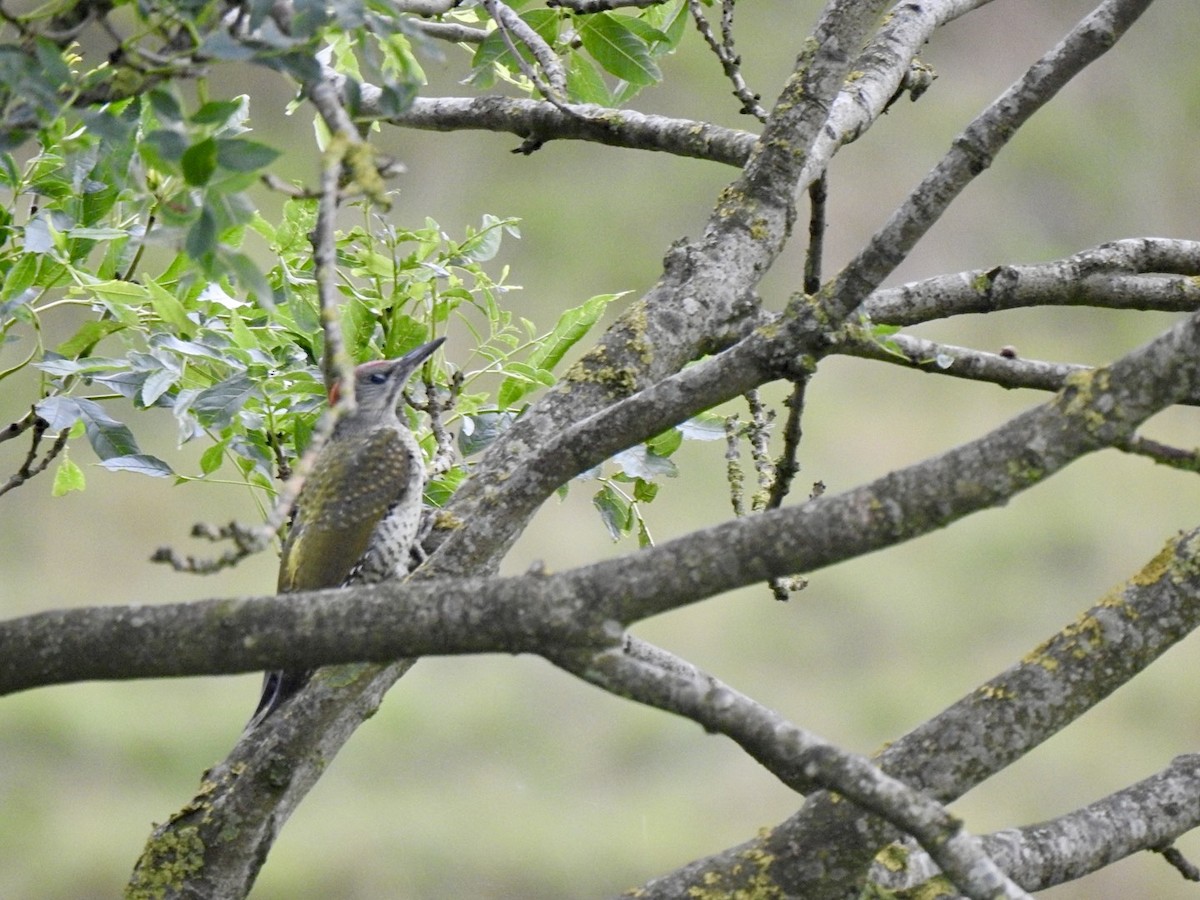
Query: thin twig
{"x":513,"y":28}
{"x":731,"y":63}
{"x":32,"y":465}
{"x":817,"y":194}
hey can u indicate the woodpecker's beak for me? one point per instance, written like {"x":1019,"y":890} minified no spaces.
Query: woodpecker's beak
{"x":413,"y":358}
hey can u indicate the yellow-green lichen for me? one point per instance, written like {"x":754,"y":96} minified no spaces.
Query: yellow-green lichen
{"x":446,"y":521}
{"x":618,"y":381}
{"x":747,"y":880}
{"x":169,"y":860}
{"x":1079,"y":396}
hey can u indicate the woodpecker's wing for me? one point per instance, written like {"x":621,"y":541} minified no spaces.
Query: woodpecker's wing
{"x":352,"y":485}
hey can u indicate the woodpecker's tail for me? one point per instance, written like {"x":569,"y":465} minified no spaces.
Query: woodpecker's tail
{"x":277,"y":688}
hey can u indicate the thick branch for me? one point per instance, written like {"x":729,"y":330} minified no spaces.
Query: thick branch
{"x":996,"y":724}
{"x":539,"y":613}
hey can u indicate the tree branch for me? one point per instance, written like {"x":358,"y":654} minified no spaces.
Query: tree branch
{"x":799,"y":759}
{"x":1145,"y":816}
{"x":540,"y":612}
{"x":1143,"y":274}
{"x":973,"y":151}
{"x":572,"y":121}
{"x":996,"y":724}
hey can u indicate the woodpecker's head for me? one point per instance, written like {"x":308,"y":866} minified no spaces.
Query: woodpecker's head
{"x":378,"y":384}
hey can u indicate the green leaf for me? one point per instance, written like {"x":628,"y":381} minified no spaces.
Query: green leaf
{"x":522,"y":379}
{"x":704,"y":427}
{"x":211,"y":459}
{"x":19,"y":277}
{"x":644,"y":538}
{"x":645,"y":491}
{"x":615,"y":512}
{"x":216,"y":112}
{"x":67,"y":477}
{"x":165,"y":105}
{"x":244,"y":156}
{"x":89,"y":334}
{"x":666,"y":443}
{"x":403,"y":334}
{"x":481,"y":429}
{"x":639,"y":462}
{"x":493,"y":50}
{"x":168,"y":308}
{"x":216,"y":406}
{"x":202,"y":236}
{"x":108,"y":437}
{"x":59,"y":413}
{"x":584,"y":82}
{"x":199,"y":161}
{"x":163,"y":148}
{"x":572,"y":325}
{"x":618,"y":50}
{"x":141,"y":463}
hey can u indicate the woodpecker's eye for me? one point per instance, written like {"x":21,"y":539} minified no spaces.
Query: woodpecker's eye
{"x":377,"y":377}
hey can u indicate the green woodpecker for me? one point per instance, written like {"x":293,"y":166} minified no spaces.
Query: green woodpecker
{"x":357,"y":516}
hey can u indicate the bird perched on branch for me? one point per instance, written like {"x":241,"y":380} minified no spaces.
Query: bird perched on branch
{"x":357,"y":516}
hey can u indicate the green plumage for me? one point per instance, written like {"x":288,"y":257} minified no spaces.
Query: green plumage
{"x":357,"y":515}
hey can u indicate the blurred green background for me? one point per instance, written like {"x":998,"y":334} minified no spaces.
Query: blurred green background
{"x":500,"y":777}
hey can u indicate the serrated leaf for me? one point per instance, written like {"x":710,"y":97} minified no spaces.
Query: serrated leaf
{"x":584,"y":82}
{"x":115,"y":290}
{"x":141,"y":463}
{"x":645,"y":491}
{"x":67,"y":477}
{"x":19,"y":277}
{"x":572,"y":325}
{"x":618,"y":50}
{"x":157,"y":384}
{"x":403,"y":334}
{"x":615,"y":512}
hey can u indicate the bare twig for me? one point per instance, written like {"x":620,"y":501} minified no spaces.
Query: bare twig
{"x":32,"y":465}
{"x":1179,"y":862}
{"x":817,"y":195}
{"x":512,"y":29}
{"x":583,"y":7}
{"x":731,"y":63}
{"x":454,"y":32}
